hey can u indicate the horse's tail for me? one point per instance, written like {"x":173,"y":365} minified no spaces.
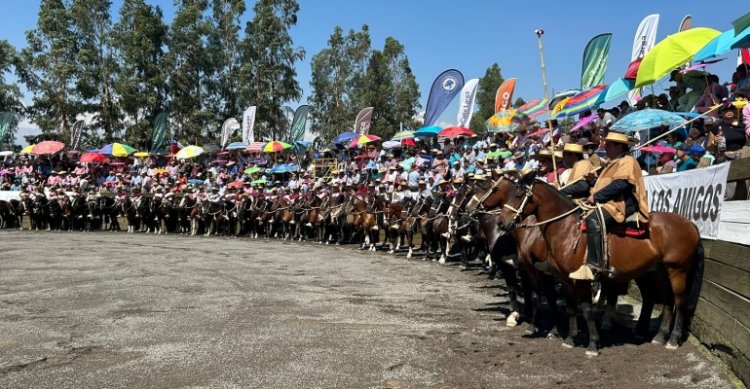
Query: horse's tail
{"x":694,"y":282}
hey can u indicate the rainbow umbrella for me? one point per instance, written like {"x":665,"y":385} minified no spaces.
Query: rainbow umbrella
{"x":189,"y":152}
{"x":27,"y":149}
{"x":452,"y":132}
{"x":534,"y":108}
{"x":363,"y":139}
{"x":403,"y":135}
{"x":672,"y":52}
{"x":47,"y":147}
{"x":582,"y":101}
{"x":117,"y":150}
{"x":276,"y":146}
{"x":506,"y":121}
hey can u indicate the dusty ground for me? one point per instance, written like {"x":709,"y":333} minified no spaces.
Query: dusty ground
{"x":94,"y":310}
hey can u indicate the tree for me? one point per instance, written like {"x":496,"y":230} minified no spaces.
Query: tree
{"x":485,"y":98}
{"x":50,"y":58}
{"x":10,"y":93}
{"x":519,"y":102}
{"x":268,"y":74}
{"x":139,"y":38}
{"x":405,"y":88}
{"x":379,"y":94}
{"x":224,"y":54}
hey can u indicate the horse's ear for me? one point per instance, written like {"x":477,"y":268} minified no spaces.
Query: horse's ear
{"x":527,"y":176}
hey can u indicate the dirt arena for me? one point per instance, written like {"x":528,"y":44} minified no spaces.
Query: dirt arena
{"x":94,"y":310}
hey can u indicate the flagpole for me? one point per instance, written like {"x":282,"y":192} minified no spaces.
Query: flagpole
{"x":539,"y":32}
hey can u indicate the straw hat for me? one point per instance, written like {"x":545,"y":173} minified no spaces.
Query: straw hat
{"x":547,"y":154}
{"x":458,"y":180}
{"x":618,"y":137}
{"x":479,"y":177}
{"x":573,"y":148}
{"x":442,"y":181}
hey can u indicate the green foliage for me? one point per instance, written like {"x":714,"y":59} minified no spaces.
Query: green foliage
{"x":519,"y":102}
{"x":10,"y":93}
{"x":486,"y":97}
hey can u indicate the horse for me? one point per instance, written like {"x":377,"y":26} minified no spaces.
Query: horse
{"x":78,"y":213}
{"x":39,"y":209}
{"x":394,"y":215}
{"x":55,"y":220}
{"x":110,"y":208}
{"x":673,"y":245}
{"x":128,"y":208}
{"x":213,"y":214}
{"x":7,"y":216}
{"x":371,"y":222}
{"x":439,"y":235}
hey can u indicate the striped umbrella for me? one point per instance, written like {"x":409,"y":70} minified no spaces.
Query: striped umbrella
{"x":534,"y":108}
{"x":189,"y":152}
{"x":275,"y":146}
{"x":237,"y":146}
{"x":117,"y":150}
{"x":255,"y":147}
{"x":582,"y":101}
{"x":363,"y":139}
{"x":403,"y":135}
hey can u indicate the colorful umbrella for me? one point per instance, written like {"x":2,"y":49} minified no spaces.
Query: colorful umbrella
{"x":255,"y":147}
{"x":4,"y":172}
{"x":582,"y":101}
{"x":539,"y":132}
{"x":452,"y":132}
{"x":117,"y":150}
{"x":47,"y":147}
{"x":615,"y":90}
{"x":722,"y":44}
{"x":252,"y":169}
{"x":427,"y":131}
{"x":275,"y":146}
{"x":506,"y":121}
{"x":363,"y":139}
{"x":160,"y":171}
{"x":403,"y":135}
{"x":27,"y":149}
{"x":555,"y":101}
{"x":93,"y":158}
{"x":658,"y":149}
{"x":237,"y":146}
{"x":534,"y":108}
{"x":672,"y":52}
{"x":583,"y":121}
{"x":647,"y":118}
{"x":189,"y":152}
{"x":742,"y":23}
{"x":262,"y":180}
{"x":345,"y":137}
{"x":141,"y":154}
{"x":408,"y":143}
{"x":236,"y":184}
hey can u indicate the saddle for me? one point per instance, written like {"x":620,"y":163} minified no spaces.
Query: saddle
{"x":631,"y":228}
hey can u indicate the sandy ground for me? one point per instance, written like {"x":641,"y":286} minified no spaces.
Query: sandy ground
{"x":95,"y":310}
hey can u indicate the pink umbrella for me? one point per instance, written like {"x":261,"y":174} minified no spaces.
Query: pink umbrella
{"x":236,"y":184}
{"x":539,"y":132}
{"x":255,"y":147}
{"x":93,"y":158}
{"x":4,"y":172}
{"x":47,"y":147}
{"x":452,"y":132}
{"x":658,"y":149}
{"x":583,"y":122}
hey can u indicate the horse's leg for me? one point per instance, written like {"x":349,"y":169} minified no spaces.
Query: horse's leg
{"x":570,"y":310}
{"x":511,"y":282}
{"x":588,"y":314}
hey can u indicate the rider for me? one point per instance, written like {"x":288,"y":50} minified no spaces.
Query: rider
{"x":619,"y":192}
{"x":579,"y":168}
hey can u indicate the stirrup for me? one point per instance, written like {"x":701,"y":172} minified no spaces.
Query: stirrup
{"x":446,"y":235}
{"x":584,"y":273}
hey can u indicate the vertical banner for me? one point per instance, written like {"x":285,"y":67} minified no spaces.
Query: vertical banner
{"x":686,"y":23}
{"x":7,"y":120}
{"x":362,"y":122}
{"x":160,"y":131}
{"x":467,"y":97}
{"x":644,"y":41}
{"x":595,"y":58}
{"x":297,"y":128}
{"x":248,"y":122}
{"x":504,"y":95}
{"x":696,"y":194}
{"x":227,"y":130}
{"x":75,"y":134}
{"x":445,"y":87}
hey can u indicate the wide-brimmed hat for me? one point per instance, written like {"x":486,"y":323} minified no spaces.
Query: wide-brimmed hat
{"x":480,"y":177}
{"x":442,"y":181}
{"x":422,"y":182}
{"x":573,"y":148}
{"x":546,"y":154}
{"x":619,"y":137}
{"x":458,"y":180}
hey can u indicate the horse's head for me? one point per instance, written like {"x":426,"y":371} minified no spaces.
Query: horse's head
{"x":517,"y":200}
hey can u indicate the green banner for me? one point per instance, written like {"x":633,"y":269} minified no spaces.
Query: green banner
{"x":595,"y":58}
{"x":160,"y":131}
{"x":7,"y":120}
{"x":297,"y":130}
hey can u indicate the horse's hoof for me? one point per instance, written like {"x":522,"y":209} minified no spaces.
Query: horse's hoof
{"x":657,"y":341}
{"x":512,"y":319}
{"x":568,"y":344}
{"x":672,"y":346}
{"x":592,"y":353}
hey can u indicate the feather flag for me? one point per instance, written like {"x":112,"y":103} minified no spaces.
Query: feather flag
{"x":161,"y":125}
{"x":227,"y":130}
{"x":7,"y":120}
{"x":686,"y":23}
{"x":445,"y":87}
{"x":534,"y":108}
{"x":644,"y":41}
{"x":363,"y":120}
{"x":467,"y":97}
{"x":297,"y":129}
{"x":595,"y":58}
{"x":504,"y":95}
{"x":75,"y":134}
{"x":248,"y":122}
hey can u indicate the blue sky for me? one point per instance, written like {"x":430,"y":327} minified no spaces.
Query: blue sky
{"x":470,"y":35}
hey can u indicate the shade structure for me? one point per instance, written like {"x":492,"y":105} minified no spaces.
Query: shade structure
{"x":582,"y":101}
{"x":345,"y":137}
{"x":672,"y":52}
{"x":744,"y":41}
{"x":403,"y":135}
{"x":47,"y":147}
{"x":189,"y":152}
{"x":363,"y":139}
{"x":720,"y":45}
{"x":428,"y":131}
{"x":117,"y":150}
{"x":252,"y":169}
{"x":552,"y":103}
{"x":742,"y":23}
{"x":616,"y":89}
{"x":27,"y":149}
{"x":141,"y":154}
{"x":452,"y":132}
{"x":583,"y":121}
{"x":275,"y":146}
{"x":255,"y":147}
{"x":534,"y":108}
{"x":506,"y":121}
{"x":647,"y":118}
{"x":237,"y":146}
{"x":93,"y":158}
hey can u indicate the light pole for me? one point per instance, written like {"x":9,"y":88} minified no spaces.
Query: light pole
{"x":539,"y":32}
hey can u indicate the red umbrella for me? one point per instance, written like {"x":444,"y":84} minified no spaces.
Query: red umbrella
{"x":632,"y":71}
{"x":236,"y":184}
{"x":452,"y":132}
{"x":47,"y":147}
{"x":408,"y":142}
{"x":93,"y":158}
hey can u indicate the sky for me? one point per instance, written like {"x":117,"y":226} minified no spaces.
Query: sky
{"x":471,"y":35}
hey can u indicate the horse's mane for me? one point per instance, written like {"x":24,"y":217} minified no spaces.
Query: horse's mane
{"x":565,"y":200}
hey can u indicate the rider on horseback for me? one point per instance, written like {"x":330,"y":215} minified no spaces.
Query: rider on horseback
{"x":575,"y":184}
{"x":618,"y":193}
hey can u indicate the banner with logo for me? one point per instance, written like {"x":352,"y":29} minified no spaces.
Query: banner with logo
{"x":504,"y":95}
{"x":248,"y":125}
{"x":644,"y":41}
{"x":297,"y":129}
{"x":7,"y":120}
{"x":75,"y":134}
{"x":362,"y":122}
{"x":445,"y":87}
{"x":160,"y":131}
{"x":696,"y":194}
{"x":466,"y":103}
{"x":227,"y":130}
{"x":595,"y":58}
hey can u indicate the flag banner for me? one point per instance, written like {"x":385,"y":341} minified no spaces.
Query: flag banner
{"x":445,"y":87}
{"x":595,"y":58}
{"x":644,"y":41}
{"x":160,"y":131}
{"x":743,"y":58}
{"x":504,"y":95}
{"x":686,"y":23}
{"x":362,"y":123}
{"x":467,"y":99}
{"x":297,"y":129}
{"x":534,"y":108}
{"x":227,"y":130}
{"x":75,"y":134}
{"x":7,"y":120}
{"x":696,"y":194}
{"x":248,"y":122}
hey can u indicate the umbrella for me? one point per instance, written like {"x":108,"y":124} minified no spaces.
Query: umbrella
{"x":283,"y":168}
{"x":345,"y":137}
{"x":506,"y":121}
{"x":583,"y":121}
{"x":647,"y":118}
{"x":501,"y":153}
{"x":262,"y":180}
{"x":720,"y":45}
{"x":116,"y":163}
{"x":539,"y":132}
{"x":255,"y":147}
{"x":6,"y":153}
{"x":560,"y":97}
{"x":391,"y":144}
{"x":452,"y":132}
{"x":47,"y":147}
{"x":363,"y":139}
{"x":4,"y":172}
{"x":275,"y":146}
{"x":743,"y":42}
{"x":195,"y":181}
{"x":219,"y":161}
{"x":403,"y":135}
{"x":615,"y":90}
{"x":582,"y":101}
{"x":93,"y":158}
{"x":211,"y":148}
{"x":658,"y":149}
{"x":117,"y":150}
{"x":672,"y":52}
{"x":236,"y":184}
{"x":141,"y":154}
{"x":189,"y":152}
{"x":428,"y":131}
{"x":27,"y":149}
{"x":160,"y":171}
{"x":237,"y":146}
{"x":534,"y":108}
{"x":251,"y":170}
{"x":408,"y":143}
{"x":742,"y":23}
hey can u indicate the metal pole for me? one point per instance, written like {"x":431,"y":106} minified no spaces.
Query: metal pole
{"x":539,"y":32}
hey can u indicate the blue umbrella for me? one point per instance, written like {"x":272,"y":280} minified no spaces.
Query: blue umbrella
{"x":237,"y":146}
{"x":428,"y":131}
{"x":615,"y":90}
{"x":195,"y":181}
{"x":345,"y":137}
{"x":647,"y":118}
{"x":722,"y":44}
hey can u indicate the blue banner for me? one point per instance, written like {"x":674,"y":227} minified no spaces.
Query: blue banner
{"x":446,"y":86}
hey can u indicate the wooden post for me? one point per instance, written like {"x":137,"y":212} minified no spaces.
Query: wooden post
{"x":539,"y":32}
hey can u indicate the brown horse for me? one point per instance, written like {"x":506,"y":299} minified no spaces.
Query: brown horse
{"x":371,"y":221}
{"x":673,"y":246}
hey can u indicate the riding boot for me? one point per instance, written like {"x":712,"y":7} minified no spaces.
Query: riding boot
{"x":594,"y":255}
